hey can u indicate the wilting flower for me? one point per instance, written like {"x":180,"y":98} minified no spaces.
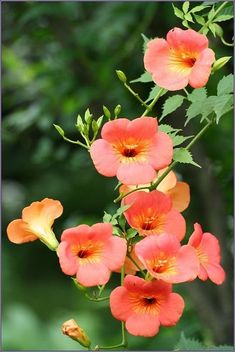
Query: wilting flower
{"x":91,"y":253}
{"x":152,"y":213}
{"x":144,"y":306}
{"x":36,"y":223}
{"x":208,"y":252}
{"x":71,"y":329}
{"x":131,"y":150}
{"x":179,"y":192}
{"x":183,"y":58}
{"x":166,"y":259}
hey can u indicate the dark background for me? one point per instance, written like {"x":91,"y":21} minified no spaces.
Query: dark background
{"x":58,"y":59}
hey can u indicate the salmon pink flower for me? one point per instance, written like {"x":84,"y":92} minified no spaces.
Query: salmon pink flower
{"x":179,"y":192}
{"x":183,"y":58}
{"x":131,"y":150}
{"x":91,"y":253}
{"x":144,"y":306}
{"x":36,"y":223}
{"x":166,"y":259}
{"x":152,"y":213}
{"x":208,"y":252}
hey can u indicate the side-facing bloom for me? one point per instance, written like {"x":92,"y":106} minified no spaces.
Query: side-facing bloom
{"x":179,"y":192}
{"x":71,"y":329}
{"x":144,"y":306}
{"x":183,"y":58}
{"x":208,"y":252}
{"x":132,"y":150}
{"x":36,"y":223}
{"x":91,"y":253}
{"x":152,"y":213}
{"x":165,"y":259}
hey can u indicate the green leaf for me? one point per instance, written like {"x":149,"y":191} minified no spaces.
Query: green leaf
{"x":178,"y":12}
{"x":122,"y":221}
{"x":198,"y":8}
{"x":177,"y":140}
{"x":171,"y":104}
{"x":146,"y":40}
{"x":144,"y":78}
{"x":167,"y":128}
{"x":185,"y":24}
{"x":225,"y":85}
{"x":223,"y":18}
{"x":218,"y":30}
{"x":222,"y":105}
{"x":117,"y":231}
{"x":122,"y":209}
{"x":188,"y":344}
{"x":227,"y":10}
{"x":107,"y":217}
{"x":211,"y":14}
{"x":182,"y":155}
{"x":212,"y":29}
{"x":131,"y":233}
{"x":193,"y":111}
{"x":199,"y":19}
{"x":185,"y":6}
{"x":188,"y":17}
{"x":59,"y":129}
{"x":154,"y":91}
{"x":197,"y":95}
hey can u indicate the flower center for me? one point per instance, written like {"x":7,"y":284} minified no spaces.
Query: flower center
{"x":149,"y":300}
{"x":189,"y":61}
{"x":161,"y":266}
{"x":83,"y":253}
{"x":154,"y":222}
{"x":129,"y":152}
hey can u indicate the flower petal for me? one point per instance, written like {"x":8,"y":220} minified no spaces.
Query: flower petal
{"x":104,"y":158}
{"x":196,"y":237}
{"x":120,"y":304}
{"x":215,"y":273}
{"x":180,"y":196}
{"x":146,"y":325}
{"x":92,"y":274}
{"x":76,"y":234}
{"x":168,"y":182}
{"x":161,"y":151}
{"x":186,"y":40}
{"x":175,"y":224}
{"x":115,"y":130}
{"x":19,"y":232}
{"x":171,"y":310}
{"x":210,"y":246}
{"x":134,"y":173}
{"x":142,"y":129}
{"x":115,"y":253}
{"x":68,"y":261}
{"x":202,"y":68}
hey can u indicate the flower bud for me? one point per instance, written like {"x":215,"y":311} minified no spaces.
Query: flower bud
{"x":95,"y":126}
{"x":117,"y":110}
{"x":218,"y":64}
{"x":106,"y":112}
{"x":99,"y":121}
{"x":59,"y":129}
{"x":121,"y":75}
{"x":88,"y":116}
{"x":71,"y":329}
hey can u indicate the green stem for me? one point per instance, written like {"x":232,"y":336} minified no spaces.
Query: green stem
{"x":226,"y":43}
{"x":76,"y":142}
{"x":150,"y":106}
{"x":134,"y":262}
{"x":98,"y":299}
{"x":121,"y":196}
{"x":215,"y":14}
{"x":136,"y":95}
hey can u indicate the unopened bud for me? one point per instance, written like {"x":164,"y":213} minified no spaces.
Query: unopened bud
{"x":106,"y":112}
{"x":59,"y":129}
{"x":99,"y":121}
{"x":88,"y":116}
{"x":79,"y":123}
{"x":218,"y":64}
{"x":117,"y":110}
{"x":94,"y":126}
{"x":121,"y":75}
{"x":71,"y":329}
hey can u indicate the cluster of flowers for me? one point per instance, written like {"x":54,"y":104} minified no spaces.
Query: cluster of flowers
{"x":137,"y":153}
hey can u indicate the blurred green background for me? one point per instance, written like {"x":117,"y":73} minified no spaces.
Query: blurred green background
{"x":58,"y":59}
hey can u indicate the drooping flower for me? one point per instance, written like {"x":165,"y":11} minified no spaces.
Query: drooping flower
{"x":208,"y":252}
{"x":179,"y":192}
{"x":36,"y":223}
{"x":152,"y":213}
{"x":183,"y":58}
{"x":165,"y":259}
{"x":71,"y":329}
{"x":91,"y":253}
{"x":144,"y":306}
{"x":131,"y":150}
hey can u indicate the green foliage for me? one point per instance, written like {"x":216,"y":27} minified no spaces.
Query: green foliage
{"x":154,"y":92}
{"x":189,"y":344}
{"x":171,"y":104}
{"x":182,"y":155}
{"x":144,"y":78}
{"x":225,"y":85}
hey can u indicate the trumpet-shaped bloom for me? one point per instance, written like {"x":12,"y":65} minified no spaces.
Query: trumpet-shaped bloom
{"x":208,"y":252}
{"x":144,"y":306}
{"x":91,"y":253}
{"x":36,"y":223}
{"x":131,"y":150}
{"x":166,"y":259}
{"x":183,"y":58}
{"x":179,"y":192}
{"x":152,"y":213}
